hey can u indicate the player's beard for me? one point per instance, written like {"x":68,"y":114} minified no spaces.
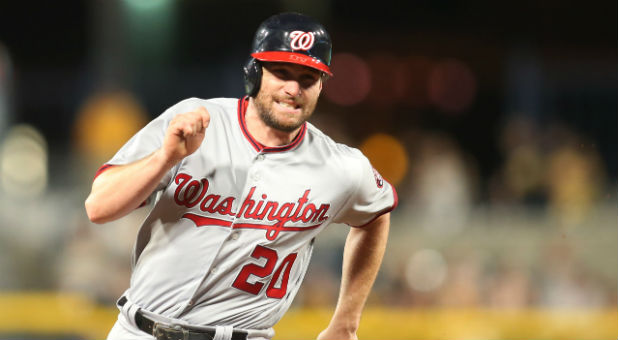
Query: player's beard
{"x":264,"y":103}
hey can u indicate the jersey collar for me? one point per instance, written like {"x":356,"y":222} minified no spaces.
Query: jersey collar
{"x":259,"y":147}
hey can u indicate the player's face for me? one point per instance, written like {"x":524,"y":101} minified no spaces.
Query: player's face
{"x":288,"y":95}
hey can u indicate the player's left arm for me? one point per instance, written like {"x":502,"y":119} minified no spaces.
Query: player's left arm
{"x":362,"y":257}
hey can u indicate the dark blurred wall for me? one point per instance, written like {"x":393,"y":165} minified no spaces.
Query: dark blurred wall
{"x":568,"y":49}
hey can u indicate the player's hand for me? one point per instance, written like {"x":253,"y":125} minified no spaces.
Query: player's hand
{"x":332,"y":333}
{"x":185,"y":134}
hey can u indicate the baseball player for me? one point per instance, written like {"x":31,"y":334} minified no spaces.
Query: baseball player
{"x":240,"y":188}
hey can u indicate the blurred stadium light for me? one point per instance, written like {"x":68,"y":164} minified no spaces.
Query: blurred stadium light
{"x":387,"y":155}
{"x":426,"y":270}
{"x":416,"y":75}
{"x":151,"y":25}
{"x":23,"y":163}
{"x":105,"y":122}
{"x":388,"y":81}
{"x":351,"y":81}
{"x":452,"y":86}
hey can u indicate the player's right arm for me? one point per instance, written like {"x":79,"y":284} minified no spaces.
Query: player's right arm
{"x":122,"y":188}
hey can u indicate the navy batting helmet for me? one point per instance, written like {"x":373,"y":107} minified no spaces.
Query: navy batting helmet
{"x":289,"y":38}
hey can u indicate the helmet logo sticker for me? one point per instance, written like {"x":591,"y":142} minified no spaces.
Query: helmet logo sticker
{"x":301,"y":40}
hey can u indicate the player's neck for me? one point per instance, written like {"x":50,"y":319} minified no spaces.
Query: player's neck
{"x":266,"y":135}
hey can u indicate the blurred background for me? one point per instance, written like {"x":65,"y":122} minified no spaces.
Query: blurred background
{"x":496,"y":122}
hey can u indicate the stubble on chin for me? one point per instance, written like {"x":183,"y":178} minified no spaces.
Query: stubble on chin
{"x":269,"y":118}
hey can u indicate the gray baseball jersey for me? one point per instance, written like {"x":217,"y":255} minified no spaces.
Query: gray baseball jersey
{"x":231,"y":231}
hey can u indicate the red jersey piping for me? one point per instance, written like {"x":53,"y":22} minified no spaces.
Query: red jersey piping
{"x":395,"y":203}
{"x":259,"y":147}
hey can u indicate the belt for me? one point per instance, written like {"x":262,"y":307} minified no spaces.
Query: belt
{"x":166,"y":332}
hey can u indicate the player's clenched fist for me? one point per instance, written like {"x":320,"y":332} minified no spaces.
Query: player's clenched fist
{"x":185,"y":134}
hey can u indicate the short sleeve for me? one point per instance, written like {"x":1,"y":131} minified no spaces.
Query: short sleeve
{"x":150,"y":138}
{"x":372,"y":197}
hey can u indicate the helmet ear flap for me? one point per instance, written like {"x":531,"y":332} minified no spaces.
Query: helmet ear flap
{"x":253,"y":76}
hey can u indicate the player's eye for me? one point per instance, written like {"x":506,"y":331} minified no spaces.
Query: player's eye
{"x":308,"y":80}
{"x":304,"y":79}
{"x":280,"y":73}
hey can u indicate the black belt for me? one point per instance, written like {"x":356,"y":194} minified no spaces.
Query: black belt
{"x":165,"y":332}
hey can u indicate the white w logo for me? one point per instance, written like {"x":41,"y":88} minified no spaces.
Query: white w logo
{"x":301,"y":40}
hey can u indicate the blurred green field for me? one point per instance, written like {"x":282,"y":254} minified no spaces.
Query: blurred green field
{"x":42,"y":315}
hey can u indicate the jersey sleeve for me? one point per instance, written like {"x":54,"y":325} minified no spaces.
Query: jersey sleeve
{"x":372,"y":197}
{"x":149,"y":139}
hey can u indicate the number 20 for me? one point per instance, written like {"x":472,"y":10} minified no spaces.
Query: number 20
{"x":263,"y":271}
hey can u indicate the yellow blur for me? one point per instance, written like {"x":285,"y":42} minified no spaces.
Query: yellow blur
{"x":49,"y":314}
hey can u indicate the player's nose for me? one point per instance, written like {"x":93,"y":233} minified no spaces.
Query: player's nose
{"x":292,"y":88}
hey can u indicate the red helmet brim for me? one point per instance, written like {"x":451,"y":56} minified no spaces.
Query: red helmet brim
{"x":292,"y":57}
